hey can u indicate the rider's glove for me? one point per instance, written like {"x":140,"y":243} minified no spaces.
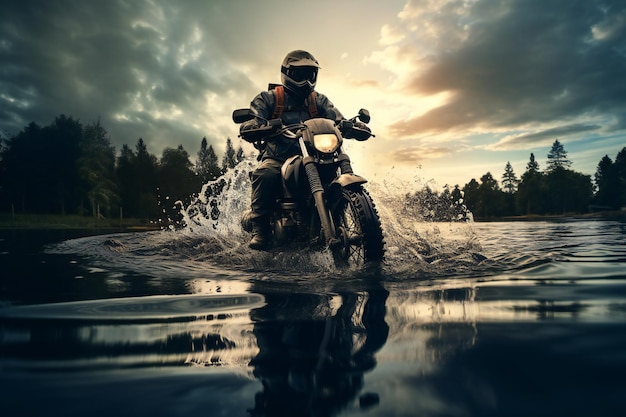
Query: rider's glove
{"x":250,"y":124}
{"x":360,"y":131}
{"x":361,"y":125}
{"x":248,"y":131}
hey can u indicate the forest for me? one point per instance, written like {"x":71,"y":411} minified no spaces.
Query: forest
{"x":71,"y":168}
{"x":556,"y":190}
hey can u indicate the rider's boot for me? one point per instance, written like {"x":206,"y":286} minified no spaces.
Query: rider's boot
{"x":261,"y":235}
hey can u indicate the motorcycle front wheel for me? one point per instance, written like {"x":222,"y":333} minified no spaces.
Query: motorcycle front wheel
{"x":358,"y":228}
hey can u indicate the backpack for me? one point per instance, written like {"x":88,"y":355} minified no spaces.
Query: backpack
{"x":279,"y":92}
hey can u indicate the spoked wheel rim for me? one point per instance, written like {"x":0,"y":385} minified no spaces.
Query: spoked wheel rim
{"x":359,"y":230}
{"x":352,"y":251}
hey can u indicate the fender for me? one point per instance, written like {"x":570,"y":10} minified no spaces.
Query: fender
{"x":293,"y":177}
{"x":291,"y":166}
{"x":343,"y":181}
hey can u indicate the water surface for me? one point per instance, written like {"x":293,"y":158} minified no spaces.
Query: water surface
{"x":478,"y":319}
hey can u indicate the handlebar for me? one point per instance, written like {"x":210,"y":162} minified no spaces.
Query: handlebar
{"x":262,"y":132}
{"x":349,"y":129}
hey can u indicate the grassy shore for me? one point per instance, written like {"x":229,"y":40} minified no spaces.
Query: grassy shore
{"x":51,"y":221}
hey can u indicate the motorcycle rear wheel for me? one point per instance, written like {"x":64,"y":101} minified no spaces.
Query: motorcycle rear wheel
{"x":359,"y":230}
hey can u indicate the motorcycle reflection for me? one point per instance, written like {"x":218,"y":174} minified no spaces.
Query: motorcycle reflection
{"x":315,"y":349}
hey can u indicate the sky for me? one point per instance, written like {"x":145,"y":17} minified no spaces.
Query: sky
{"x":456,"y":88}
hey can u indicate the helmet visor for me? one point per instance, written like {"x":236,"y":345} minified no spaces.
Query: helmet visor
{"x":299,"y":74}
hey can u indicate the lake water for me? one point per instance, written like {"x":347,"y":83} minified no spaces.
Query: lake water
{"x":463,"y":319}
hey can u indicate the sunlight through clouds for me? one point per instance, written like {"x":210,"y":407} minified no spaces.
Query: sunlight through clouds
{"x":390,"y":35}
{"x":495,"y":79}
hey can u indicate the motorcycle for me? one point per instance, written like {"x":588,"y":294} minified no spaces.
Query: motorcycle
{"x":323,"y":203}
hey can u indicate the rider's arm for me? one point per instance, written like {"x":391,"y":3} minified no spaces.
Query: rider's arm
{"x":326,"y":108}
{"x":329,"y":111}
{"x":262,"y":106}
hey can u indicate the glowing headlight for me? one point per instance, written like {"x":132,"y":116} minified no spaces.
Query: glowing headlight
{"x":326,"y":143}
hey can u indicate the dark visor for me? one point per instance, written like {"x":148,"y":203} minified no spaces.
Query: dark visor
{"x":299,"y":74}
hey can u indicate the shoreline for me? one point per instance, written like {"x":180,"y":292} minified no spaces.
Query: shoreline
{"x":68,"y":222}
{"x":600,"y":215}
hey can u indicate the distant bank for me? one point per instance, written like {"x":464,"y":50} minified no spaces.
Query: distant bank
{"x":604,"y":215}
{"x":50,"y":221}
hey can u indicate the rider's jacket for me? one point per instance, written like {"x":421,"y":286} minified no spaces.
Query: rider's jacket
{"x":296,"y":111}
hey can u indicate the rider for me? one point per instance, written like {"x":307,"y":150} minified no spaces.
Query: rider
{"x":301,"y":102}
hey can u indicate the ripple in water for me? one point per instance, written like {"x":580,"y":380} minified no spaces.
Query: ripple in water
{"x":139,"y":309}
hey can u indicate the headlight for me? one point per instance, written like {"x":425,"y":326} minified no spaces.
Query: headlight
{"x":326,"y":143}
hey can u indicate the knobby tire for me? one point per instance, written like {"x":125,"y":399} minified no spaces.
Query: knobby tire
{"x":360,"y":229}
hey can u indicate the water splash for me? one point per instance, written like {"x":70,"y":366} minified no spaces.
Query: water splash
{"x":209,"y":238}
{"x":414,"y":244}
{"x":417,"y":246}
{"x":221,"y":202}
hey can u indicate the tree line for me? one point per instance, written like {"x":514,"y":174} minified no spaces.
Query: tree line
{"x":555,"y":190}
{"x":71,"y":168}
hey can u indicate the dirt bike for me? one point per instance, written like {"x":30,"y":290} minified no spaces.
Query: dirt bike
{"x":323,"y":203}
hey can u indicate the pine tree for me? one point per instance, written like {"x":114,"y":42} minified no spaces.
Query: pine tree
{"x":229,"y":161}
{"x":97,"y":169}
{"x":487,"y":200}
{"x":610,"y":180}
{"x":177,"y":180}
{"x":557,"y":157}
{"x":137,"y":175}
{"x":207,"y":167}
{"x":509,"y":179}
{"x":532,"y":166}
{"x":620,"y":167}
{"x":471,"y":195}
{"x":529,"y":197}
{"x":607,"y":183}
{"x":61,"y":154}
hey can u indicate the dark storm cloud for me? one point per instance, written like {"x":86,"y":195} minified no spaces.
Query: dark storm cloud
{"x":548,"y":134}
{"x":527,"y":62}
{"x":131,"y":64}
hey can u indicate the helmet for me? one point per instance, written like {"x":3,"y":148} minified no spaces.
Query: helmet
{"x":299,"y":73}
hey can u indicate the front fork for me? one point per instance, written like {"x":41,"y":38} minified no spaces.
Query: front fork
{"x":317,"y":190}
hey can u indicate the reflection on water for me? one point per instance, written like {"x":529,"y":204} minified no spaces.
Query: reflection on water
{"x":315,"y":350}
{"x":309,"y":351}
{"x":485,"y":319}
{"x":131,"y":332}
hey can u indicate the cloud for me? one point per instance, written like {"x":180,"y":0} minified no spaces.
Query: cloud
{"x":431,"y":71}
{"x":390,"y":35}
{"x":508,"y":64}
{"x":419,"y":153}
{"x":529,"y":140}
{"x":365,"y":83}
{"x":143,"y":68}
